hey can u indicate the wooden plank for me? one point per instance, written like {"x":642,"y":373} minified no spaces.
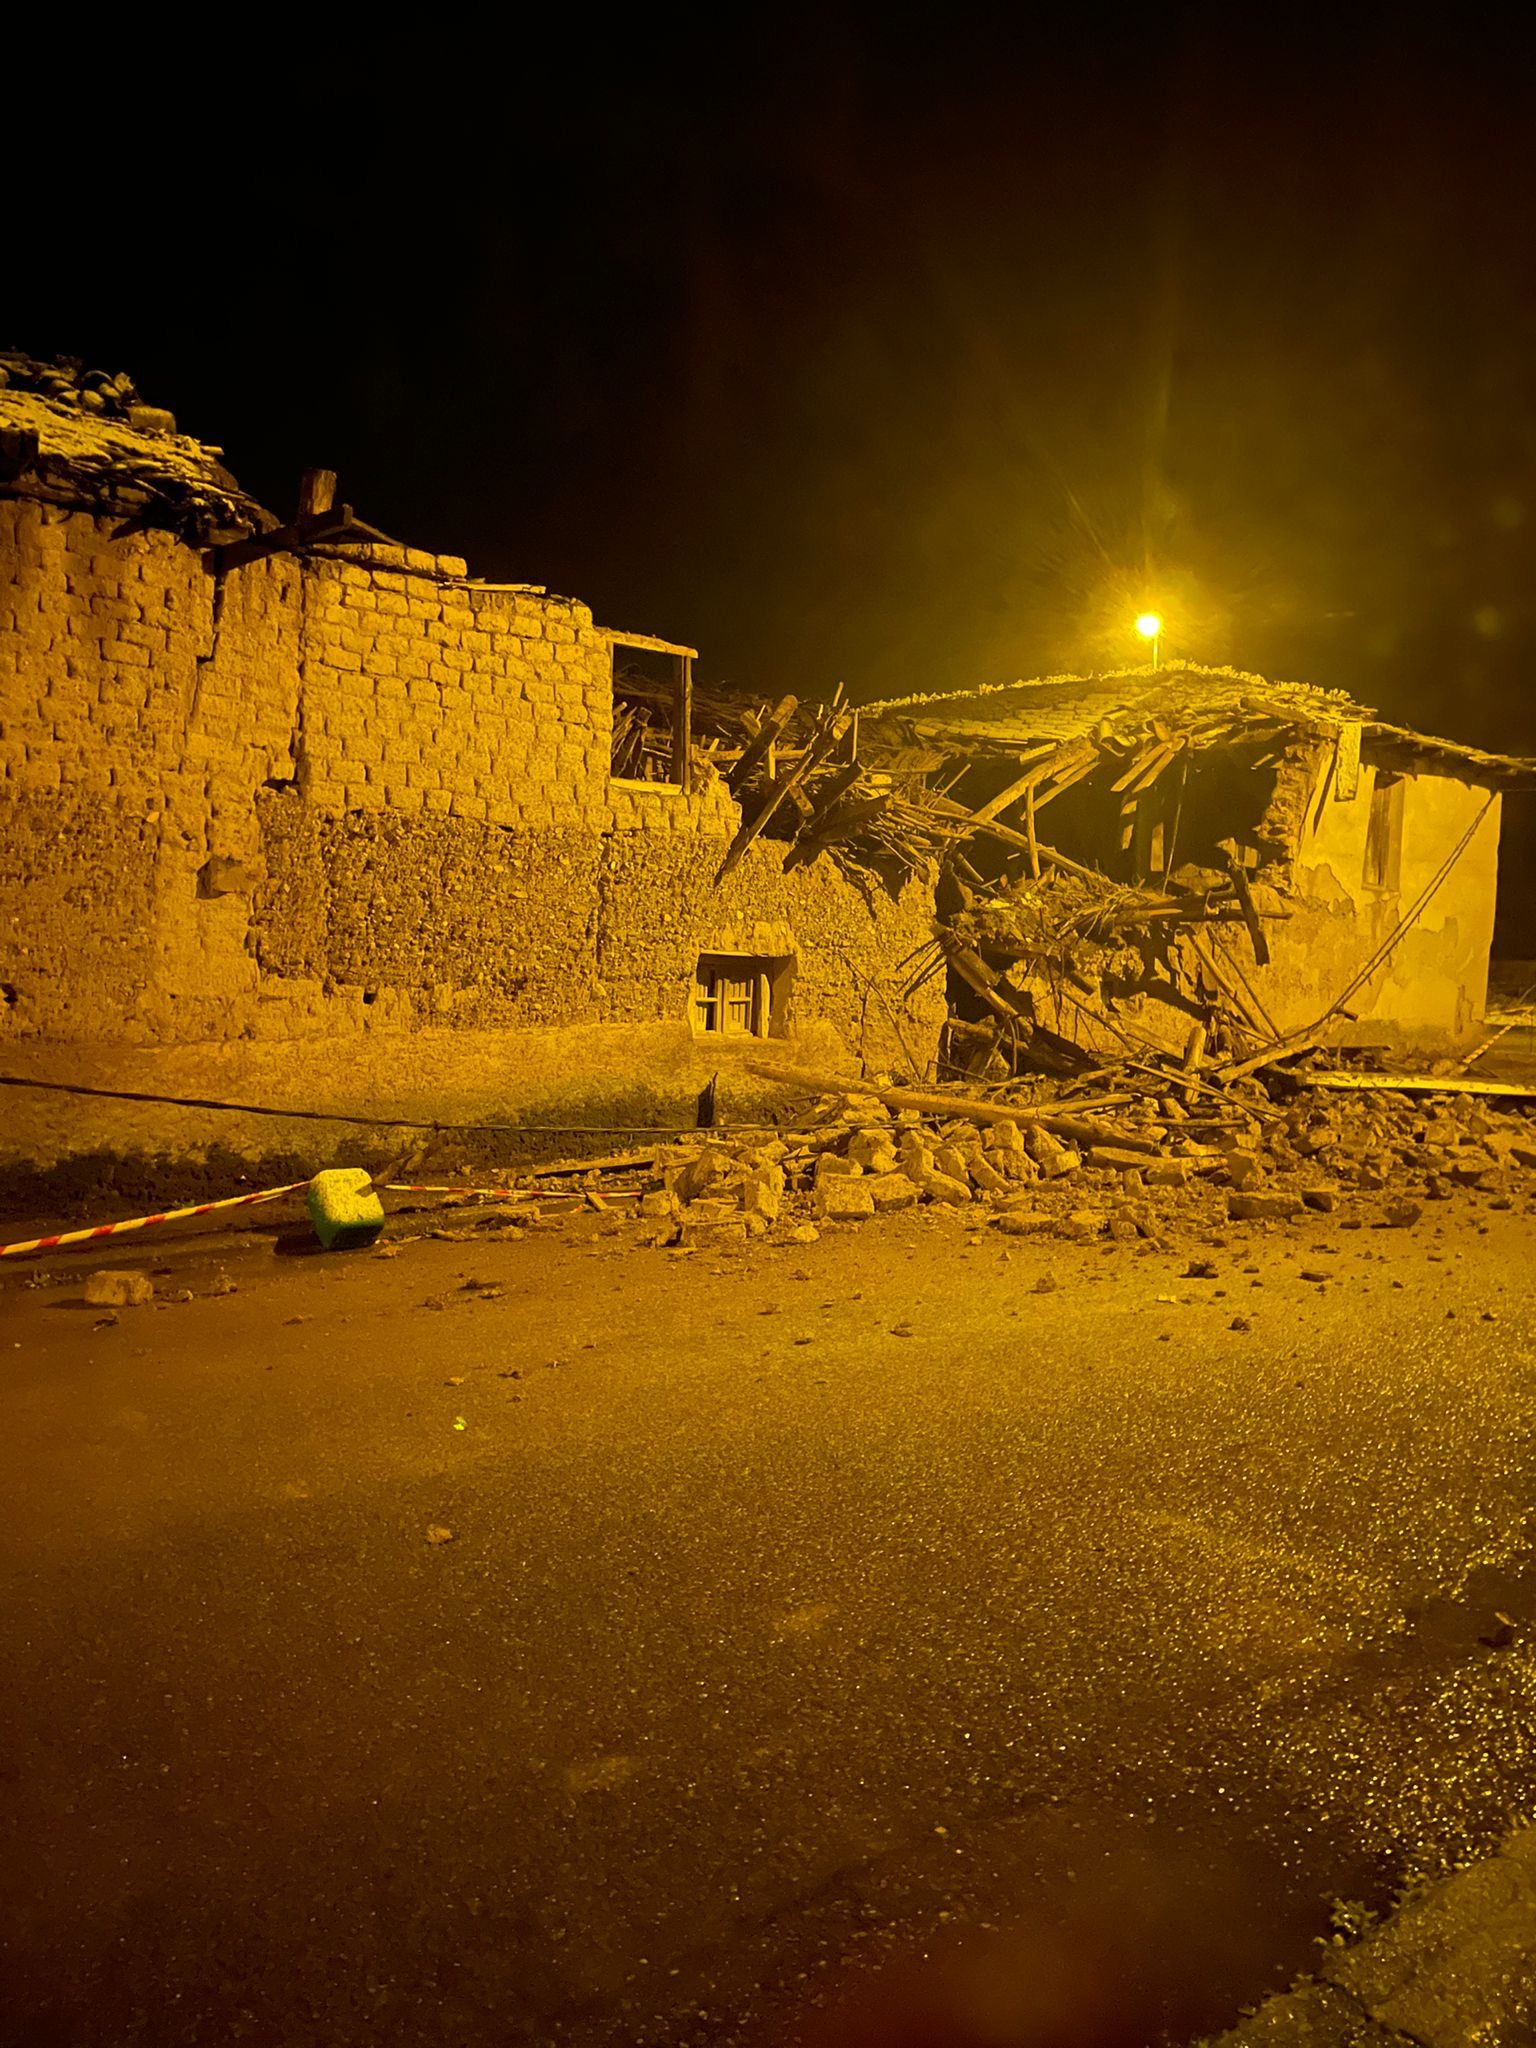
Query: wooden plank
{"x":1285,"y":1049}
{"x":1067,"y":779}
{"x":610,"y":1164}
{"x":1032,"y":847}
{"x":969,"y":1109}
{"x":1008,"y":837}
{"x":335,"y":524}
{"x":1247,"y":1009}
{"x":682,"y":730}
{"x":1424,"y":1084}
{"x":1133,"y":774}
{"x":317,"y":492}
{"x":756,"y":750}
{"x":656,"y":646}
{"x":1022,"y":785}
{"x":751,"y":829}
{"x":1163,"y":759}
{"x":1240,"y":990}
{"x":1346,"y":763}
{"x":1249,"y":908}
{"x":838,"y":824}
{"x":828,"y":796}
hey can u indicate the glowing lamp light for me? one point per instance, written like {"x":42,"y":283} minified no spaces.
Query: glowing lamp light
{"x":1150,"y":627}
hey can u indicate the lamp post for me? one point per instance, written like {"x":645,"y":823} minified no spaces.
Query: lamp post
{"x":1150,"y":627}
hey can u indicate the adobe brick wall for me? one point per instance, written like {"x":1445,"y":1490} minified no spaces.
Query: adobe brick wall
{"x":341,"y":802}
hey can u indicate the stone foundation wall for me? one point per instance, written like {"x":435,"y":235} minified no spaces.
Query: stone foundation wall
{"x":341,"y":803}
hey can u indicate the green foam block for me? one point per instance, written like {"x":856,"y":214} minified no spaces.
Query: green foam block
{"x":344,"y":1209}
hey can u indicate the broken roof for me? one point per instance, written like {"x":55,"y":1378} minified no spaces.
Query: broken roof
{"x":68,"y":441}
{"x":1205,"y":706}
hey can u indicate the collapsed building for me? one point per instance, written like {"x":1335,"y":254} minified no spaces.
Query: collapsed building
{"x":1183,"y":860}
{"x":1195,"y":860}
{"x":301,"y":818}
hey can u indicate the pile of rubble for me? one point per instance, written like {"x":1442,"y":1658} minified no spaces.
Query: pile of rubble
{"x":84,"y":439}
{"x":65,"y":380}
{"x":1165,"y":1167}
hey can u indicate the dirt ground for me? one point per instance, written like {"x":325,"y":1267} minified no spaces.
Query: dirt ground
{"x":502,"y":1637}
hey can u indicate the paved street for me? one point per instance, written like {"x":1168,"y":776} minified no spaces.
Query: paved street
{"x":805,"y":1612}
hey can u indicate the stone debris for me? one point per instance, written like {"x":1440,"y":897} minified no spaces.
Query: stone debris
{"x":1161,"y":1172}
{"x":1268,"y":1208}
{"x":1023,"y":1222}
{"x":841,"y":1200}
{"x":119,"y":1290}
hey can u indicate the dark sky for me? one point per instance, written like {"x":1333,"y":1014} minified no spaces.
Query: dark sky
{"x":907,"y":358}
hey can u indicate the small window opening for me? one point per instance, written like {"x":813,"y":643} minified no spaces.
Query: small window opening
{"x":652,"y":704}
{"x":1384,"y":834}
{"x":741,"y":995}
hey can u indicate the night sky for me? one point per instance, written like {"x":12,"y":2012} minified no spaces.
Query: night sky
{"x":911,"y":359}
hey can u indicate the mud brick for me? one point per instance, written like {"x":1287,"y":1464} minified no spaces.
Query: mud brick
{"x":844,"y":1200}
{"x":1263,"y":1208}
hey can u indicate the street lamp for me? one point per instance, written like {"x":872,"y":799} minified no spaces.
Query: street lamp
{"x":1150,"y":627}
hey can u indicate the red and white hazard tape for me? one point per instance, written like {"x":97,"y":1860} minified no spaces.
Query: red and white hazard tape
{"x":102,"y":1230}
{"x":48,"y":1244}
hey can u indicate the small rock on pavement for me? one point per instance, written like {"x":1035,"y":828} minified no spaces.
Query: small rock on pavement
{"x":707,"y":1233}
{"x":436,"y":1533}
{"x":985,"y":1177}
{"x":1269,"y":1208}
{"x":1083,"y":1224}
{"x":803,"y":1233}
{"x":1132,"y":1220}
{"x":1022,"y":1222}
{"x":872,"y":1149}
{"x":1402,"y":1215}
{"x":1169,"y":1173}
{"x":119,"y":1290}
{"x":842,"y":1200}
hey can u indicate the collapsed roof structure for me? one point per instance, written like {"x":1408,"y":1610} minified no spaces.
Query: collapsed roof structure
{"x":1162,"y":858}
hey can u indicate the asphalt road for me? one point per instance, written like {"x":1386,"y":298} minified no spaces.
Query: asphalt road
{"x":806,"y":1613}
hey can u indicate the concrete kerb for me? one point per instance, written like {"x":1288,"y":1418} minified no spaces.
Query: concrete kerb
{"x":1454,"y":1966}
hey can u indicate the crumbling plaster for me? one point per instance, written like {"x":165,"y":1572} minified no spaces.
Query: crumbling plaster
{"x":1429,"y":994}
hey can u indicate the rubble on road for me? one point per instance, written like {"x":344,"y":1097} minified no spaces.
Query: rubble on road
{"x":1147,"y":1159}
{"x":1163,"y":1168}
